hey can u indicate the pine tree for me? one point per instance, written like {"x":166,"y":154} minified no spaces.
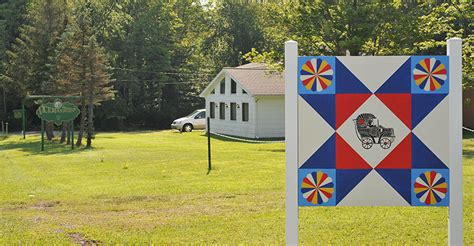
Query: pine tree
{"x":81,"y":66}
{"x":28,"y":68}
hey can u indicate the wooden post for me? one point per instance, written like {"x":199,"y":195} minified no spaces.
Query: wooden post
{"x":455,"y":227}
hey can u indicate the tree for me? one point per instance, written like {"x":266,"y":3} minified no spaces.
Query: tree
{"x":28,"y":68}
{"x":445,"y":21}
{"x":81,"y":66}
{"x":233,"y":32}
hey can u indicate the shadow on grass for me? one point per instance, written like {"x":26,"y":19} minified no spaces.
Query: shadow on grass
{"x":244,"y":140}
{"x":467,"y":135}
{"x":468,"y":153}
{"x":50,"y":148}
{"x":106,"y":135}
{"x":273,"y":150}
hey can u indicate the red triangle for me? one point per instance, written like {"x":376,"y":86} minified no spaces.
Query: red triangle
{"x":400,"y":157}
{"x":347,"y":158}
{"x":399,"y":104}
{"x":347,"y":104}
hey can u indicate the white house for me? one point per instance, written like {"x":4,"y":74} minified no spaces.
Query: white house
{"x":247,"y":101}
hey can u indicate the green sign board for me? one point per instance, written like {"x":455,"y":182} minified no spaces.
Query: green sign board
{"x":58,"y":112}
{"x":18,"y":113}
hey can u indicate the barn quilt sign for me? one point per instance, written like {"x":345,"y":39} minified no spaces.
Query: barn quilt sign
{"x":373,"y":131}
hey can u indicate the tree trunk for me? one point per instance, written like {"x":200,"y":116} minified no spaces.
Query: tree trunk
{"x":63,"y":132}
{"x":90,"y":117}
{"x":49,"y":130}
{"x":68,"y":139}
{"x":82,"y":125}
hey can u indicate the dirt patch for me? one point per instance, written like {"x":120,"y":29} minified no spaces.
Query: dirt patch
{"x":82,"y":240}
{"x":130,"y":199}
{"x":68,"y":226}
{"x":45,"y":204}
{"x":14,"y":206}
{"x":37,"y":219}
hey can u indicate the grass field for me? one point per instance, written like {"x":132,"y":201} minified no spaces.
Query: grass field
{"x":154,"y":187}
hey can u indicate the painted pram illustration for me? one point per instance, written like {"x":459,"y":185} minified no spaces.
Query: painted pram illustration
{"x":369,"y":132}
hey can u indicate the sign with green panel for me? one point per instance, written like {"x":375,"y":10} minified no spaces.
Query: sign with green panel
{"x":58,"y":112}
{"x":17,"y":113}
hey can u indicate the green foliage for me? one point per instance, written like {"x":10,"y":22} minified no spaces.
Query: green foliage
{"x":163,"y":53}
{"x":366,"y":28}
{"x":446,"y":21}
{"x":234,"y":31}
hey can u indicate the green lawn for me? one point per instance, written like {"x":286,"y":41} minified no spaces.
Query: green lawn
{"x":154,"y":187}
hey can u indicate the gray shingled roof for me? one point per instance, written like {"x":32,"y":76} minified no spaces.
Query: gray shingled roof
{"x":258,"y":79}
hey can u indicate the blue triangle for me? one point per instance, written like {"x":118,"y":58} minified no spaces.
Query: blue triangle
{"x":400,"y":180}
{"x":399,"y":82}
{"x":347,"y":82}
{"x":324,"y":104}
{"x":423,"y":157}
{"x":421,"y":106}
{"x":324,"y":157}
{"x":347,"y":179}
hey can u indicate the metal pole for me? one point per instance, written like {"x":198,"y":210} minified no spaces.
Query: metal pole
{"x":291,"y":141}
{"x":6,"y":128}
{"x":455,"y":226}
{"x":209,"y":142}
{"x":42,"y":135}
{"x":23,"y":117}
{"x":72,"y":134}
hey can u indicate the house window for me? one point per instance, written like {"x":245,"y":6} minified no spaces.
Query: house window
{"x":243,"y":91}
{"x":233,"y":87}
{"x":222,"y":111}
{"x":245,"y":112}
{"x":233,"y":111}
{"x":212,"y":109}
{"x":213,"y":91}
{"x":223,"y":86}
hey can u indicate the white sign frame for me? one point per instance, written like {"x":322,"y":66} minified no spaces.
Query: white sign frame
{"x":455,"y":220}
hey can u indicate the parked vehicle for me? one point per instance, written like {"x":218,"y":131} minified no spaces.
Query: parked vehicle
{"x":369,"y":132}
{"x":196,"y":120}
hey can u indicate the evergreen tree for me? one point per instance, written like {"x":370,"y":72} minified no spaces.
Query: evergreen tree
{"x":81,"y":66}
{"x":28,"y":69}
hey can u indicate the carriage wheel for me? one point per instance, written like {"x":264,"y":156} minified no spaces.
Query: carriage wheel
{"x":367,"y":143}
{"x":385,"y":143}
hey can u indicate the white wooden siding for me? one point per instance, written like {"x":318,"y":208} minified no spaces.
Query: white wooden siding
{"x":232,"y":127}
{"x":266,"y":113}
{"x":270,"y":117}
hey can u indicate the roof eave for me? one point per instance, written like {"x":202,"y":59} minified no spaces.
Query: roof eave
{"x":206,"y":90}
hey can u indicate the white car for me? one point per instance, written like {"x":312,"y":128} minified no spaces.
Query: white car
{"x":196,"y":120}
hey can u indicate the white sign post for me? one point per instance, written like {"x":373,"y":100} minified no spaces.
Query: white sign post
{"x":454,"y":51}
{"x":291,"y":141}
{"x":398,"y":163}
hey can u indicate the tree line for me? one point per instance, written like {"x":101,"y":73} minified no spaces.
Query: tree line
{"x":142,"y":63}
